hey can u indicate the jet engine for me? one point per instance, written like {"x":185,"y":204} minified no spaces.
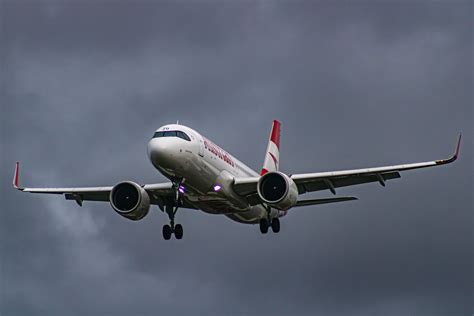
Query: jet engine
{"x":277,"y":190}
{"x":130,"y":200}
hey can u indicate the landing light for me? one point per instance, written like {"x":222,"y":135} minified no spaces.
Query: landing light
{"x":217,"y":188}
{"x":181,"y":189}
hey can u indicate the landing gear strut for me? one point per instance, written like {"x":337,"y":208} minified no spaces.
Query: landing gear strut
{"x":171,"y":210}
{"x":265,"y":223}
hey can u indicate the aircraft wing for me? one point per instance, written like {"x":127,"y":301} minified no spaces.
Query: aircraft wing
{"x":158,"y":192}
{"x":309,"y":182}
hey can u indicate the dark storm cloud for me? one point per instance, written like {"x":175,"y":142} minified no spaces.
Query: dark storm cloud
{"x":84,"y":84}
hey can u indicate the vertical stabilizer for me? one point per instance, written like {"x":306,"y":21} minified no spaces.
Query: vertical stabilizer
{"x":272,"y":155}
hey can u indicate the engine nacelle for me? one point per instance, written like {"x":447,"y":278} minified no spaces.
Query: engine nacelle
{"x":277,"y":190}
{"x":130,"y":200}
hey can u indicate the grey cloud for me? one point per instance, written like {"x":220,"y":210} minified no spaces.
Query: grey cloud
{"x":84,"y":84}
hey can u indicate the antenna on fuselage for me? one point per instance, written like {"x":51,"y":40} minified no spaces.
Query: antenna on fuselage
{"x":177,"y":122}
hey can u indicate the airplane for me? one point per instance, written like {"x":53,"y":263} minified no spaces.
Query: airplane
{"x":205,"y":177}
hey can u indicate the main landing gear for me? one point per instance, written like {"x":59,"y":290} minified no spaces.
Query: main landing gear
{"x":267,"y":222}
{"x":171,"y":210}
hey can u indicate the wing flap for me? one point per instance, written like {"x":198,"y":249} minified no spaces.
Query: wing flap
{"x":90,"y":196}
{"x":325,"y":200}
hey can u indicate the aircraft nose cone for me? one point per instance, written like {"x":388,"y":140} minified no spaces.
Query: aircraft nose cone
{"x":160,"y":152}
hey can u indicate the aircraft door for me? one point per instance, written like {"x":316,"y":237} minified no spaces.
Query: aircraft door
{"x":201,"y":147}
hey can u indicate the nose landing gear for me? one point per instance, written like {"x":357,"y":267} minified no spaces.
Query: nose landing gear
{"x":171,"y":210}
{"x":172,"y":228}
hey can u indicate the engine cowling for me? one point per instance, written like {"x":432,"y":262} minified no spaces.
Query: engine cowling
{"x":130,"y":200}
{"x":277,"y":190}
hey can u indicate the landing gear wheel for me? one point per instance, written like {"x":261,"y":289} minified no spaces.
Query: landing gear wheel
{"x":263,"y":226}
{"x":167,"y":231}
{"x":276,"y":225}
{"x":178,"y":231}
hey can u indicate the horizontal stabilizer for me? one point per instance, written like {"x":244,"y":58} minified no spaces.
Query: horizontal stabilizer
{"x":325,"y":201}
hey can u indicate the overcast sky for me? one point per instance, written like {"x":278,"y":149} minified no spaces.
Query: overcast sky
{"x":360,"y":84}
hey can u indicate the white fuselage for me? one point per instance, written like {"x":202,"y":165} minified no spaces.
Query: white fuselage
{"x":203,"y":167}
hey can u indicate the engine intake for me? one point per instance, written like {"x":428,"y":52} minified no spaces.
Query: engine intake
{"x":130,"y":200}
{"x":277,"y":190}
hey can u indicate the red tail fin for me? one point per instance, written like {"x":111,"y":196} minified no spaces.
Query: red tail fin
{"x":272,"y":155}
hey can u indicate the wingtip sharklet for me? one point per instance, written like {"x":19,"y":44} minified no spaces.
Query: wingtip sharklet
{"x":16,"y":177}
{"x":455,"y":156}
{"x":458,"y":146}
{"x":457,"y":151}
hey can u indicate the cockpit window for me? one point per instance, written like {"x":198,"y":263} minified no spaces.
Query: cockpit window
{"x":179,"y":134}
{"x":183,"y":136}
